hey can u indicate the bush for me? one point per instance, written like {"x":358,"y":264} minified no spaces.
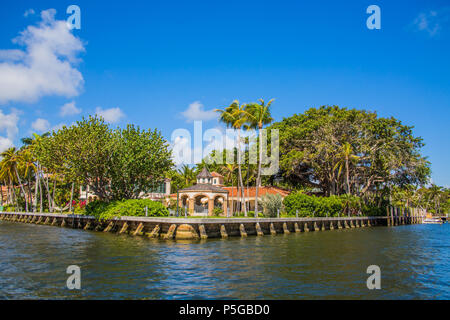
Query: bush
{"x":305,"y":204}
{"x":96,"y":207}
{"x":8,"y":208}
{"x":132,"y":207}
{"x":217,"y":211}
{"x":271,"y":203}
{"x":332,"y":206}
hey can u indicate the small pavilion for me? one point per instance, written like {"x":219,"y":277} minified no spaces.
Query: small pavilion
{"x":202,"y":198}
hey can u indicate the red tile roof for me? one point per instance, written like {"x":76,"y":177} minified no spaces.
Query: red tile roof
{"x":232,"y":192}
{"x":251,"y":192}
{"x":215,"y":174}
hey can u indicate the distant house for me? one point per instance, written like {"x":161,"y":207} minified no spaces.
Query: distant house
{"x":159,"y":191}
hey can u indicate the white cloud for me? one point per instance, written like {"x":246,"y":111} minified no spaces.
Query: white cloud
{"x":69,"y":109}
{"x":195,"y":112}
{"x":185,"y":152}
{"x":433,"y":21}
{"x":111,"y":115}
{"x":8,"y":124}
{"x":5,"y":143}
{"x":45,"y":67}
{"x":11,"y":55}
{"x":40,"y":125}
{"x":29,"y":12}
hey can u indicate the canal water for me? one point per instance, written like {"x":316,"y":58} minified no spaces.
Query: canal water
{"x":414,"y":262}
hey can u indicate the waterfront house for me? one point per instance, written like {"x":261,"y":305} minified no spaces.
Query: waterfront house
{"x":209,"y":194}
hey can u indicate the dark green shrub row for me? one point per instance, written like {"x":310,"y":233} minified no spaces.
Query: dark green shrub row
{"x":132,"y":207}
{"x":333,"y":206}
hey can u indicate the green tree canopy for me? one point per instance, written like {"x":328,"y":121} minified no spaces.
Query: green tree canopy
{"x":376,"y":151}
{"x":115,"y":164}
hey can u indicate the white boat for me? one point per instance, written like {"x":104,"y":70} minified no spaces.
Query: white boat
{"x":429,"y":219}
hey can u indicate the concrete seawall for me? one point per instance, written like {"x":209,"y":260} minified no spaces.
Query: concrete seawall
{"x":187,"y":228}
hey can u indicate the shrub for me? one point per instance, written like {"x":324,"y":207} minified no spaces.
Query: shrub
{"x":332,"y":206}
{"x":132,"y":207}
{"x":96,"y":207}
{"x":328,"y":206}
{"x":299,"y":201}
{"x":217,"y":211}
{"x":271,"y":203}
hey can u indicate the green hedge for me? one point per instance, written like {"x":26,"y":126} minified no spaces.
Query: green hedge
{"x":333,"y":206}
{"x":132,"y":207}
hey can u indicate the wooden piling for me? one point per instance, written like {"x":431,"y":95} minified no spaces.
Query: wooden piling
{"x":87,"y":226}
{"x":223,"y":231}
{"x":272,"y":229}
{"x":315,"y":227}
{"x":124,"y":228}
{"x":109,"y":227}
{"x":242,"y":230}
{"x":285,"y":228}
{"x":296,"y":228}
{"x":170,"y":233}
{"x":138,"y":231}
{"x":202,"y":230}
{"x":155,"y":232}
{"x":258,"y":229}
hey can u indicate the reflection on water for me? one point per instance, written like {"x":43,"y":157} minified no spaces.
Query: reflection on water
{"x":414,"y":262}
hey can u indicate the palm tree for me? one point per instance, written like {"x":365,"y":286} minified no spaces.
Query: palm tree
{"x":28,"y":166}
{"x":10,"y":161}
{"x":228,"y":170}
{"x":234,"y":116}
{"x":258,"y":115}
{"x":187,"y":174}
{"x":434,"y":193}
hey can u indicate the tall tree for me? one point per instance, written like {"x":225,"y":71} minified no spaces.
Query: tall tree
{"x":258,"y":115}
{"x":228,"y":171}
{"x":10,"y":162}
{"x":234,"y":116}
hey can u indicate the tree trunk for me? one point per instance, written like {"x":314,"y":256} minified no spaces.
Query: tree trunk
{"x":232,"y":189}
{"x":36,"y":189}
{"x":23,"y":190}
{"x":54,"y":190}
{"x":30,"y":193}
{"x":347,"y":177}
{"x":50,"y":209}
{"x":258,"y":179}
{"x":71,"y":197}
{"x":240,"y":172}
{"x":40,"y":193}
{"x":248,"y":173}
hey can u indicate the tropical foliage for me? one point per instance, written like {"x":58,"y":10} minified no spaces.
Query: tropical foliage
{"x":339,"y":150}
{"x":116,"y":165}
{"x":272,"y":204}
{"x":131,"y":207}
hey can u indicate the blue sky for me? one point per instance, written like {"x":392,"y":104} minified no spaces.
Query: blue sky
{"x":147,"y":62}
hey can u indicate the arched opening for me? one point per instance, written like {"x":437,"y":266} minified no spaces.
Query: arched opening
{"x":201,"y":204}
{"x":184,"y":201}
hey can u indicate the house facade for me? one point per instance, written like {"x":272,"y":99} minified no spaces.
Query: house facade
{"x":209,"y":195}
